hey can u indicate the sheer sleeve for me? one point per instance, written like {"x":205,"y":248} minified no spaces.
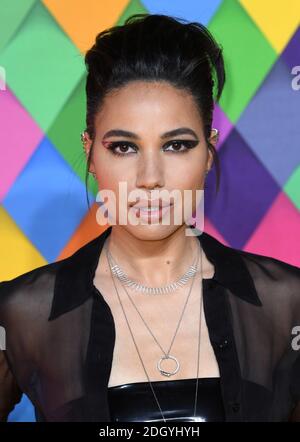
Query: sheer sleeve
{"x":295,"y":416}
{"x":10,"y":392}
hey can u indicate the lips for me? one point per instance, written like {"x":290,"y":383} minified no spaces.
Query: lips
{"x":151,"y":204}
{"x":152,"y":210}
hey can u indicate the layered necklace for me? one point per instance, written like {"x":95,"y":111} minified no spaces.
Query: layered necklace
{"x":117,"y":272}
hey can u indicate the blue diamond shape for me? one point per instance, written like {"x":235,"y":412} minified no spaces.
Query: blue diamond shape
{"x":270,"y":124}
{"x":47,"y":200}
{"x":193,"y":10}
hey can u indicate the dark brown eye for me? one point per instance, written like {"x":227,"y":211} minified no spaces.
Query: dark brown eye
{"x":186,"y":144}
{"x":177,"y":146}
{"x":122,"y":146}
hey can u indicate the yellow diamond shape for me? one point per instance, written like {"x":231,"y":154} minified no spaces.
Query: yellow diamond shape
{"x":17,"y":254}
{"x":82,"y":20}
{"x":277,"y":19}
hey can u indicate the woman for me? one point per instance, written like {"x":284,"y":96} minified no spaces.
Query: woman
{"x":150,"y":321}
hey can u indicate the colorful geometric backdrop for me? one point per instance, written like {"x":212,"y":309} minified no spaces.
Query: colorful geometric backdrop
{"x":44,"y":215}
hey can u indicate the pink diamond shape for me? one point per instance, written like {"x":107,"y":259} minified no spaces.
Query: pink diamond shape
{"x":278,"y":234}
{"x":20,"y":136}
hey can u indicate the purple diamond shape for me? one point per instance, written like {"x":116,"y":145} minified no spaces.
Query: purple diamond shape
{"x":246,"y":192}
{"x":222,"y":123}
{"x":291,"y":53}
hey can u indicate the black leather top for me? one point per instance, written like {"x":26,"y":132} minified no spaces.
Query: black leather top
{"x":135,"y":402}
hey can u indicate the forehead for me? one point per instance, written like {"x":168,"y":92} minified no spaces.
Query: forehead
{"x":144,"y":104}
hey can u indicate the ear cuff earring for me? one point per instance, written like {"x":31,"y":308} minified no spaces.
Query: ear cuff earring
{"x":216,"y":135}
{"x":83,"y":141}
{"x":216,"y":131}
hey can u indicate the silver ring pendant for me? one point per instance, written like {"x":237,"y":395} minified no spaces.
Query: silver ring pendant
{"x":167,"y":373}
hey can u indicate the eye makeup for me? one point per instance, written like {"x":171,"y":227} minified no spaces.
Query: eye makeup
{"x":112,"y":146}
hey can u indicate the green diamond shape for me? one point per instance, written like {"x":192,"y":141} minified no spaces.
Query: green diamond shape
{"x":65,"y":133}
{"x":248,"y":56}
{"x":42,"y":65}
{"x":12,"y":15}
{"x":133,"y":7}
{"x":292,"y":187}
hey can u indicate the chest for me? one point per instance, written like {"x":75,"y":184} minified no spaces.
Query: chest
{"x":145,"y":326}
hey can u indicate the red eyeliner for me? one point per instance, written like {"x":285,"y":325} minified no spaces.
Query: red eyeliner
{"x":106,"y":143}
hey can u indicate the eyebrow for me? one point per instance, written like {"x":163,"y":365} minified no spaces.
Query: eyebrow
{"x":128,"y":134}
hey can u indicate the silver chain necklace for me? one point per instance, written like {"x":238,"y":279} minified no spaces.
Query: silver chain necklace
{"x":166,"y":355}
{"x":123,"y":278}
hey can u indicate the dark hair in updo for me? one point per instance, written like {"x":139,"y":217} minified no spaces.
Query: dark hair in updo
{"x":154,"y":47}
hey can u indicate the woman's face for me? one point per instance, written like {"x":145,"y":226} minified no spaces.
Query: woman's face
{"x":149,"y":156}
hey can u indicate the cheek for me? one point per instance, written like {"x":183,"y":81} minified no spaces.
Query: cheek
{"x":191,"y":179}
{"x":116,"y":186}
{"x":187,"y":172}
{"x":110,"y":174}
{"x":194,"y":182}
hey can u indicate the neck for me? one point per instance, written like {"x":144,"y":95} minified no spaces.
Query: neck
{"x":153,"y":262}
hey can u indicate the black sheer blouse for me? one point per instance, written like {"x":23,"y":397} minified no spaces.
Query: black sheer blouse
{"x":60,"y":336}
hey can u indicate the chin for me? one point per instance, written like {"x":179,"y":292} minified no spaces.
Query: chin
{"x":151,"y":232}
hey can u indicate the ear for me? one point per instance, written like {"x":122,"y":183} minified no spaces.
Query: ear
{"x":87,"y":144}
{"x":214,"y":138}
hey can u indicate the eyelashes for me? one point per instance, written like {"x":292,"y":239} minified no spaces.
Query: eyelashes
{"x":125,"y":145}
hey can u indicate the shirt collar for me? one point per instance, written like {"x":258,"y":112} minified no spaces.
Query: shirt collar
{"x":75,"y":274}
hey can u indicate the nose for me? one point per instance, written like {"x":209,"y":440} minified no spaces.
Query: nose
{"x":150,"y":171}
